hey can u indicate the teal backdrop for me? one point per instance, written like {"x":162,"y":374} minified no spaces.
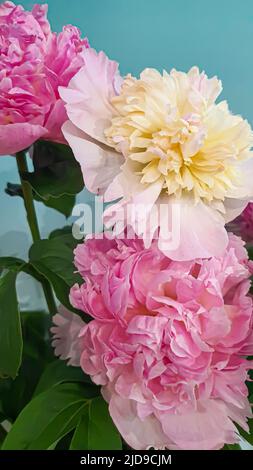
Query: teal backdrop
{"x":216,"y":35}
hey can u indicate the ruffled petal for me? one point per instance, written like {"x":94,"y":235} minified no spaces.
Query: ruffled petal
{"x":88,"y":96}
{"x":66,"y":340}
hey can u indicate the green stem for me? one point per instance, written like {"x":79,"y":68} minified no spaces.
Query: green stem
{"x":33,"y":223}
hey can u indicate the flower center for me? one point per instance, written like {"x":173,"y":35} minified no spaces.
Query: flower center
{"x":168,"y":130}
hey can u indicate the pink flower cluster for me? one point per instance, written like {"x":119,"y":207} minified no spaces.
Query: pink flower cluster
{"x":168,"y":341}
{"x":34,"y":61}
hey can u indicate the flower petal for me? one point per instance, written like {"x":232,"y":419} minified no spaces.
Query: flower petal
{"x":19,"y":136}
{"x":206,"y":428}
{"x":201,"y":233}
{"x":137,"y":433}
{"x":89,"y":94}
{"x":233,"y":208}
{"x":66,"y":340}
{"x":99,"y":164}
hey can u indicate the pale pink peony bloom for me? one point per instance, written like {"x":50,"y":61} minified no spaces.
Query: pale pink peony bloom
{"x":168,"y":342}
{"x":34,"y":61}
{"x":66,"y":336}
{"x":157,"y":142}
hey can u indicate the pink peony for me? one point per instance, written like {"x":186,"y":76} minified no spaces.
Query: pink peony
{"x":34,"y":61}
{"x":243,"y":225}
{"x":168,"y":342}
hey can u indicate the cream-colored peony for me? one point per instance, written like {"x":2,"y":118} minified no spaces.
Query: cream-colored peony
{"x":160,"y":143}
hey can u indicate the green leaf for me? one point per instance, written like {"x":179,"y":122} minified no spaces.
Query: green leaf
{"x":56,"y":178}
{"x":231,"y":447}
{"x":48,"y":417}
{"x":2,"y":413}
{"x":95,"y":429}
{"x":247,"y":436}
{"x":11,"y":263}
{"x":250,"y":252}
{"x":63,"y":204}
{"x":64,"y":442}
{"x":11,"y":343}
{"x":54,"y":260}
{"x":18,"y":265}
{"x":56,"y":171}
{"x":37,"y":352}
{"x":58,"y":372}
{"x":37,"y":342}
{"x":250,"y":384}
{"x":2,"y":435}
{"x":65,"y":236}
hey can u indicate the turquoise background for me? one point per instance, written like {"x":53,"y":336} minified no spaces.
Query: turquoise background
{"x":216,"y":35}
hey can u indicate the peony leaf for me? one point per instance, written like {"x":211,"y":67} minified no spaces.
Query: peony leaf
{"x":95,"y":429}
{"x":48,"y":417}
{"x":65,"y":236}
{"x":37,"y":352}
{"x":11,"y":343}
{"x":18,"y":265}
{"x":56,"y":171}
{"x":63,"y":204}
{"x":58,"y":372}
{"x":53,"y":259}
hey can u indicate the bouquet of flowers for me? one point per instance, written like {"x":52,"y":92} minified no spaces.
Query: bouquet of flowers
{"x":147,"y":338}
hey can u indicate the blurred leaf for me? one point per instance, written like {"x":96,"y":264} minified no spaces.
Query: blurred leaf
{"x":58,"y":372}
{"x":249,"y":383}
{"x":56,"y":171}
{"x":2,"y":435}
{"x":95,"y":429}
{"x":63,"y":204}
{"x":2,"y":413}
{"x":250,"y":252}
{"x":11,"y":343}
{"x":54,"y":260}
{"x":48,"y":417}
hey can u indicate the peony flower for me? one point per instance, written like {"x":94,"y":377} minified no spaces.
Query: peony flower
{"x":33,"y":62}
{"x":243,"y":224}
{"x":168,"y":341}
{"x":66,"y":336}
{"x":156,"y":143}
